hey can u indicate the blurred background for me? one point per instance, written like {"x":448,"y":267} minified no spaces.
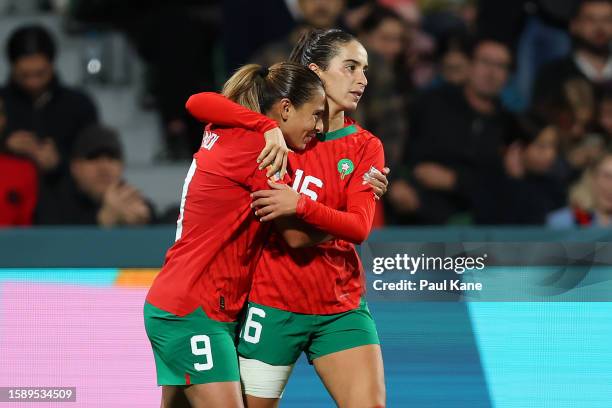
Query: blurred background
{"x":496,"y":117}
{"x":492,"y":112}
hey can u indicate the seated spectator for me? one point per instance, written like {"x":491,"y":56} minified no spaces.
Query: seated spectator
{"x":591,"y":30}
{"x":590,"y":200}
{"x":455,"y":135}
{"x":580,"y":141}
{"x":454,"y":59}
{"x":95,"y":193}
{"x":382,"y":33}
{"x":18,"y":186}
{"x":604,"y":116}
{"x":43,"y":116}
{"x":320,"y":14}
{"x":527,"y":190}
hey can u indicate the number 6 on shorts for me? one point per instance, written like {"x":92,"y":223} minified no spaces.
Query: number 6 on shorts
{"x":252,"y":324}
{"x":202,"y":351}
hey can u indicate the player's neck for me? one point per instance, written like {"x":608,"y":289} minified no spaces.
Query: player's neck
{"x":336,"y":117}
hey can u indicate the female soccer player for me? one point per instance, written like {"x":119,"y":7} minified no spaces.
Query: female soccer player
{"x":192,"y":306}
{"x":311,"y":299}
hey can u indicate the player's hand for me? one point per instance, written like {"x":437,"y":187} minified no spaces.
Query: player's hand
{"x":379,"y":182}
{"x":281,"y":201}
{"x":274,"y":154}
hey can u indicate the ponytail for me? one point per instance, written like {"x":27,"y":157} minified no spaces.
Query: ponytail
{"x":244,"y":87}
{"x":258,"y":88}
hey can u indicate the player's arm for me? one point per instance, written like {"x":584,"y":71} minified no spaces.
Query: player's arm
{"x":298,"y":234}
{"x":214,"y":108}
{"x":352,"y":225}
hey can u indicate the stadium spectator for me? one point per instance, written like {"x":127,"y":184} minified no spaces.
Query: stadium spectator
{"x":169,"y":36}
{"x":18,"y":186}
{"x":382,"y":33}
{"x":591,"y":30}
{"x":320,"y":14}
{"x":455,"y":135}
{"x":590,"y":200}
{"x":604,"y":119}
{"x":95,"y":193}
{"x":527,"y":190}
{"x":580,"y":141}
{"x":420,"y":49}
{"x":536,"y":29}
{"x":43,"y":116}
{"x":454,"y":59}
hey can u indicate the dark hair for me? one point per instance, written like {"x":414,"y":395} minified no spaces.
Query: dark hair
{"x":95,"y":141}
{"x":375,"y":18}
{"x":30,"y":40}
{"x":456,"y":40}
{"x":259,"y":88}
{"x":319,"y":47}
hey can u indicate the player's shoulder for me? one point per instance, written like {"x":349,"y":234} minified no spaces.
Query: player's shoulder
{"x":364,"y":136}
{"x":227,"y":136}
{"x":231,"y":131}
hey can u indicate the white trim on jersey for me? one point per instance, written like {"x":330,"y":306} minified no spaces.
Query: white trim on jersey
{"x":179,"y":222}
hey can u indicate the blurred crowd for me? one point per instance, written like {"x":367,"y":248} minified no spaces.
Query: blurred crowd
{"x":492,"y":112}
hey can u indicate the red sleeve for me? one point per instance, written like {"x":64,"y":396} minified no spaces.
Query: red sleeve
{"x":353,"y":225}
{"x":218,"y":110}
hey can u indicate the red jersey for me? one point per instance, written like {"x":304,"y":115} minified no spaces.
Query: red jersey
{"x":18,"y":190}
{"x":327,"y":278}
{"x":218,"y":239}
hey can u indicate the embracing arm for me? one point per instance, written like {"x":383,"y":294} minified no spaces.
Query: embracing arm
{"x":298,"y":234}
{"x":352,"y":225}
{"x":217,"y":109}
{"x":315,"y":222}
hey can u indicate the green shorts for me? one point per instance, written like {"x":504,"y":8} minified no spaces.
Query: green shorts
{"x":278,"y":337}
{"x":192,"y":349}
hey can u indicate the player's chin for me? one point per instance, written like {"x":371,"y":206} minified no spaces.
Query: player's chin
{"x":351,"y":105}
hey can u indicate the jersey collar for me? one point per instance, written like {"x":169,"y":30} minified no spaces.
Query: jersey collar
{"x":337,"y":134}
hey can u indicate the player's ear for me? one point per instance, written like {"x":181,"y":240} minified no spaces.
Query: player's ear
{"x":285,"y":106}
{"x":314,"y":67}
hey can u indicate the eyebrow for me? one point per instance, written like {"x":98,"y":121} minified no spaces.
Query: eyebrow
{"x":355,"y":62}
